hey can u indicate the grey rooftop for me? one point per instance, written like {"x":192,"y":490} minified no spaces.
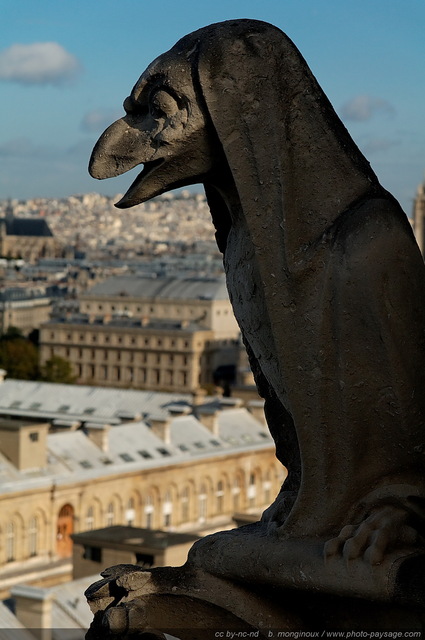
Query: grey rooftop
{"x":164,"y":288}
{"x":121,"y":537}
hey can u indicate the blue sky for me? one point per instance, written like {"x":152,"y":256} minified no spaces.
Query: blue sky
{"x":67,"y":65}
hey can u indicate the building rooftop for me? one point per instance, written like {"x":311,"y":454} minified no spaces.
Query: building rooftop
{"x":69,"y":609}
{"x":163,"y":288}
{"x":121,"y":537}
{"x":13,"y":425}
{"x":123,"y":322}
{"x":75,"y":452}
{"x":49,"y":401}
{"x":10,"y":627}
{"x":28,"y":227}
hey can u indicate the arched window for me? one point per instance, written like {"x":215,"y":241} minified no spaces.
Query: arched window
{"x":130,"y":513}
{"x":252,"y":490}
{"x":33,"y":536}
{"x":236,"y":490}
{"x":10,"y":542}
{"x":202,"y":503}
{"x":267,"y":485}
{"x":110,"y":515}
{"x":65,"y":528}
{"x":149,"y":511}
{"x":90,"y":519}
{"x":167,"y":509}
{"x":185,"y":502}
{"x":220,"y":496}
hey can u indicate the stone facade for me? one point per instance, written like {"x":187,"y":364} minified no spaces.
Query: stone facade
{"x":53,"y":489}
{"x":160,"y":334}
{"x":26,"y":238}
{"x":26,"y":314}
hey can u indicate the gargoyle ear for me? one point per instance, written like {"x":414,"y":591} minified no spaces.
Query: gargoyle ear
{"x":237,"y":76}
{"x":268,"y":109}
{"x":240,"y":75}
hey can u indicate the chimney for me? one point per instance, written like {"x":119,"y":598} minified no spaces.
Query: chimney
{"x":178,"y":409}
{"x":208,"y":416}
{"x":98,"y":434}
{"x":230,"y":403}
{"x":161,"y":428}
{"x":24,"y":443}
{"x":34,"y":609}
{"x":198,"y":396}
{"x":60,"y":424}
{"x":256,"y":408}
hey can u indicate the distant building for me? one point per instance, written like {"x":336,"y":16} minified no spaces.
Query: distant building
{"x":147,"y":333}
{"x":65,"y":470}
{"x":26,"y":238}
{"x":419,"y":216}
{"x":25,"y":308}
{"x":109,"y":546}
{"x":49,"y":613}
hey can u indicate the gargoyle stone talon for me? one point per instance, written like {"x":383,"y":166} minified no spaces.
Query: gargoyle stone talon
{"x":119,"y":570}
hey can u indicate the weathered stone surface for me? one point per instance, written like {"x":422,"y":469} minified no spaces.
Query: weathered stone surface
{"x":328,"y":286}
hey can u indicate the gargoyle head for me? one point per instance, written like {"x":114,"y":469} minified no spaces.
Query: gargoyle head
{"x":237,"y":100}
{"x":164,"y":129}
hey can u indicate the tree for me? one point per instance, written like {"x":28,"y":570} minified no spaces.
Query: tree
{"x":57,"y":369}
{"x":12,"y":333}
{"x":19,"y":357}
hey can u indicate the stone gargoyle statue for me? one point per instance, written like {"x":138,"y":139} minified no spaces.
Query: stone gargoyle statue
{"x":328,"y":286}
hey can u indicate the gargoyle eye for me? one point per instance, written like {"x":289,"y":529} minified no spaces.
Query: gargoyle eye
{"x":162,"y":103}
{"x":131,"y":106}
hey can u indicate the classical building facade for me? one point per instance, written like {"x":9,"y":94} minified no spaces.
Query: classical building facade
{"x":25,"y":308}
{"x":147,"y":333}
{"x":184,"y":468}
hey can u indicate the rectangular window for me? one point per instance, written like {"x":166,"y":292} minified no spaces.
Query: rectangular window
{"x":163,"y":452}
{"x":126,"y":457}
{"x":144,"y":560}
{"x":144,"y":454}
{"x":92,"y":553}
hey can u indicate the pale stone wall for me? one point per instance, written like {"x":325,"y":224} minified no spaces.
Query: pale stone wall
{"x":175,"y":555}
{"x":141,"y":357}
{"x":184,"y":497}
{"x":26,"y":315}
{"x":210,"y":314}
{"x":30,"y":248}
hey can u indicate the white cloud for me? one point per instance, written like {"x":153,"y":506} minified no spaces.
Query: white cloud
{"x":98,"y":119}
{"x":364,"y":107}
{"x":38,"y":63}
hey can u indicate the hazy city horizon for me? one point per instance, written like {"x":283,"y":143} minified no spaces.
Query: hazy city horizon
{"x":84,"y":62}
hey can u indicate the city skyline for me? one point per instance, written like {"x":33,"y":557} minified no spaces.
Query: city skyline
{"x":65,"y":69}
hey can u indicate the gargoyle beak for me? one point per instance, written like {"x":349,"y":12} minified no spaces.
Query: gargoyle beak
{"x":121,"y":148}
{"x":116,"y":151}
